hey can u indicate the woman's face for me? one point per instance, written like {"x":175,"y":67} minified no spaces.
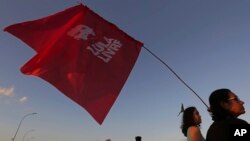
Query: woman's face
{"x":197,"y":117}
{"x":235,"y":105}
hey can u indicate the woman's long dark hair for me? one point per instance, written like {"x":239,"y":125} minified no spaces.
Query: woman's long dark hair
{"x":216,"y":109}
{"x":188,"y":119}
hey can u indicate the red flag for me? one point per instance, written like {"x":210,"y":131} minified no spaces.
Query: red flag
{"x":84,"y":56}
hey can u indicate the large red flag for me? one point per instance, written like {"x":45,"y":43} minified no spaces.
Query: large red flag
{"x":84,"y":56}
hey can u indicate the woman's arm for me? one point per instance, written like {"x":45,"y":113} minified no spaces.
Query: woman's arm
{"x":195,"y":133}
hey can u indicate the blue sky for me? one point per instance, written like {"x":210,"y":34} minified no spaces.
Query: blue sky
{"x":205,"y":42}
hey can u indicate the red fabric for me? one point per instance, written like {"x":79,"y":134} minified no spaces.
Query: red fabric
{"x":81,"y":54}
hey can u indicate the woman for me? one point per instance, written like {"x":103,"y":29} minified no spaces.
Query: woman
{"x":191,"y":121}
{"x":225,"y":107}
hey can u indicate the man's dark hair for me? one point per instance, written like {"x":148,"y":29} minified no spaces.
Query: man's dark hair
{"x":138,"y":138}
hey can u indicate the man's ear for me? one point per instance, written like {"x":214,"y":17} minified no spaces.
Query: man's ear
{"x":225,"y":105}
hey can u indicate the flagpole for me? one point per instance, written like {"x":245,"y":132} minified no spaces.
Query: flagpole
{"x":178,"y":77}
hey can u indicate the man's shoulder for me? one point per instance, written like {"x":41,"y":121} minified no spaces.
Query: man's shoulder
{"x":217,"y":131}
{"x":237,"y":121}
{"x":218,"y":124}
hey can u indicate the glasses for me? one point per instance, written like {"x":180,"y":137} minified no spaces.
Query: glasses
{"x":234,"y":98}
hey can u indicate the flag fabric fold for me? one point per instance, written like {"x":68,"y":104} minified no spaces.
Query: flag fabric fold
{"x":84,"y":56}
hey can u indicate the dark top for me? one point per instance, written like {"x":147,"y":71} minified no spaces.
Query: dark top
{"x":219,"y":130}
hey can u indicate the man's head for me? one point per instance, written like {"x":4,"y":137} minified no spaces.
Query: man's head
{"x":224,"y":103}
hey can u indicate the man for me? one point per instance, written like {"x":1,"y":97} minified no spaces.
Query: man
{"x":225,"y":107}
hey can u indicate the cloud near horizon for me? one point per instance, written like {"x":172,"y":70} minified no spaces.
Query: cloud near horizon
{"x":7,"y":91}
{"x":23,"y":99}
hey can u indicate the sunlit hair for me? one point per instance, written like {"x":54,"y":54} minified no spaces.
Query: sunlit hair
{"x":188,"y":119}
{"x":216,"y":109}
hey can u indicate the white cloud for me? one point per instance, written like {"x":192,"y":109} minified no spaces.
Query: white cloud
{"x":23,"y":99}
{"x":7,"y":91}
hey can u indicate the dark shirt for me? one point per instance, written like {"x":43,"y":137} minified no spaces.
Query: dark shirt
{"x":219,"y":130}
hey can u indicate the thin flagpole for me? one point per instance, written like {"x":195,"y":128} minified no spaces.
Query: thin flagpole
{"x":178,"y":77}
